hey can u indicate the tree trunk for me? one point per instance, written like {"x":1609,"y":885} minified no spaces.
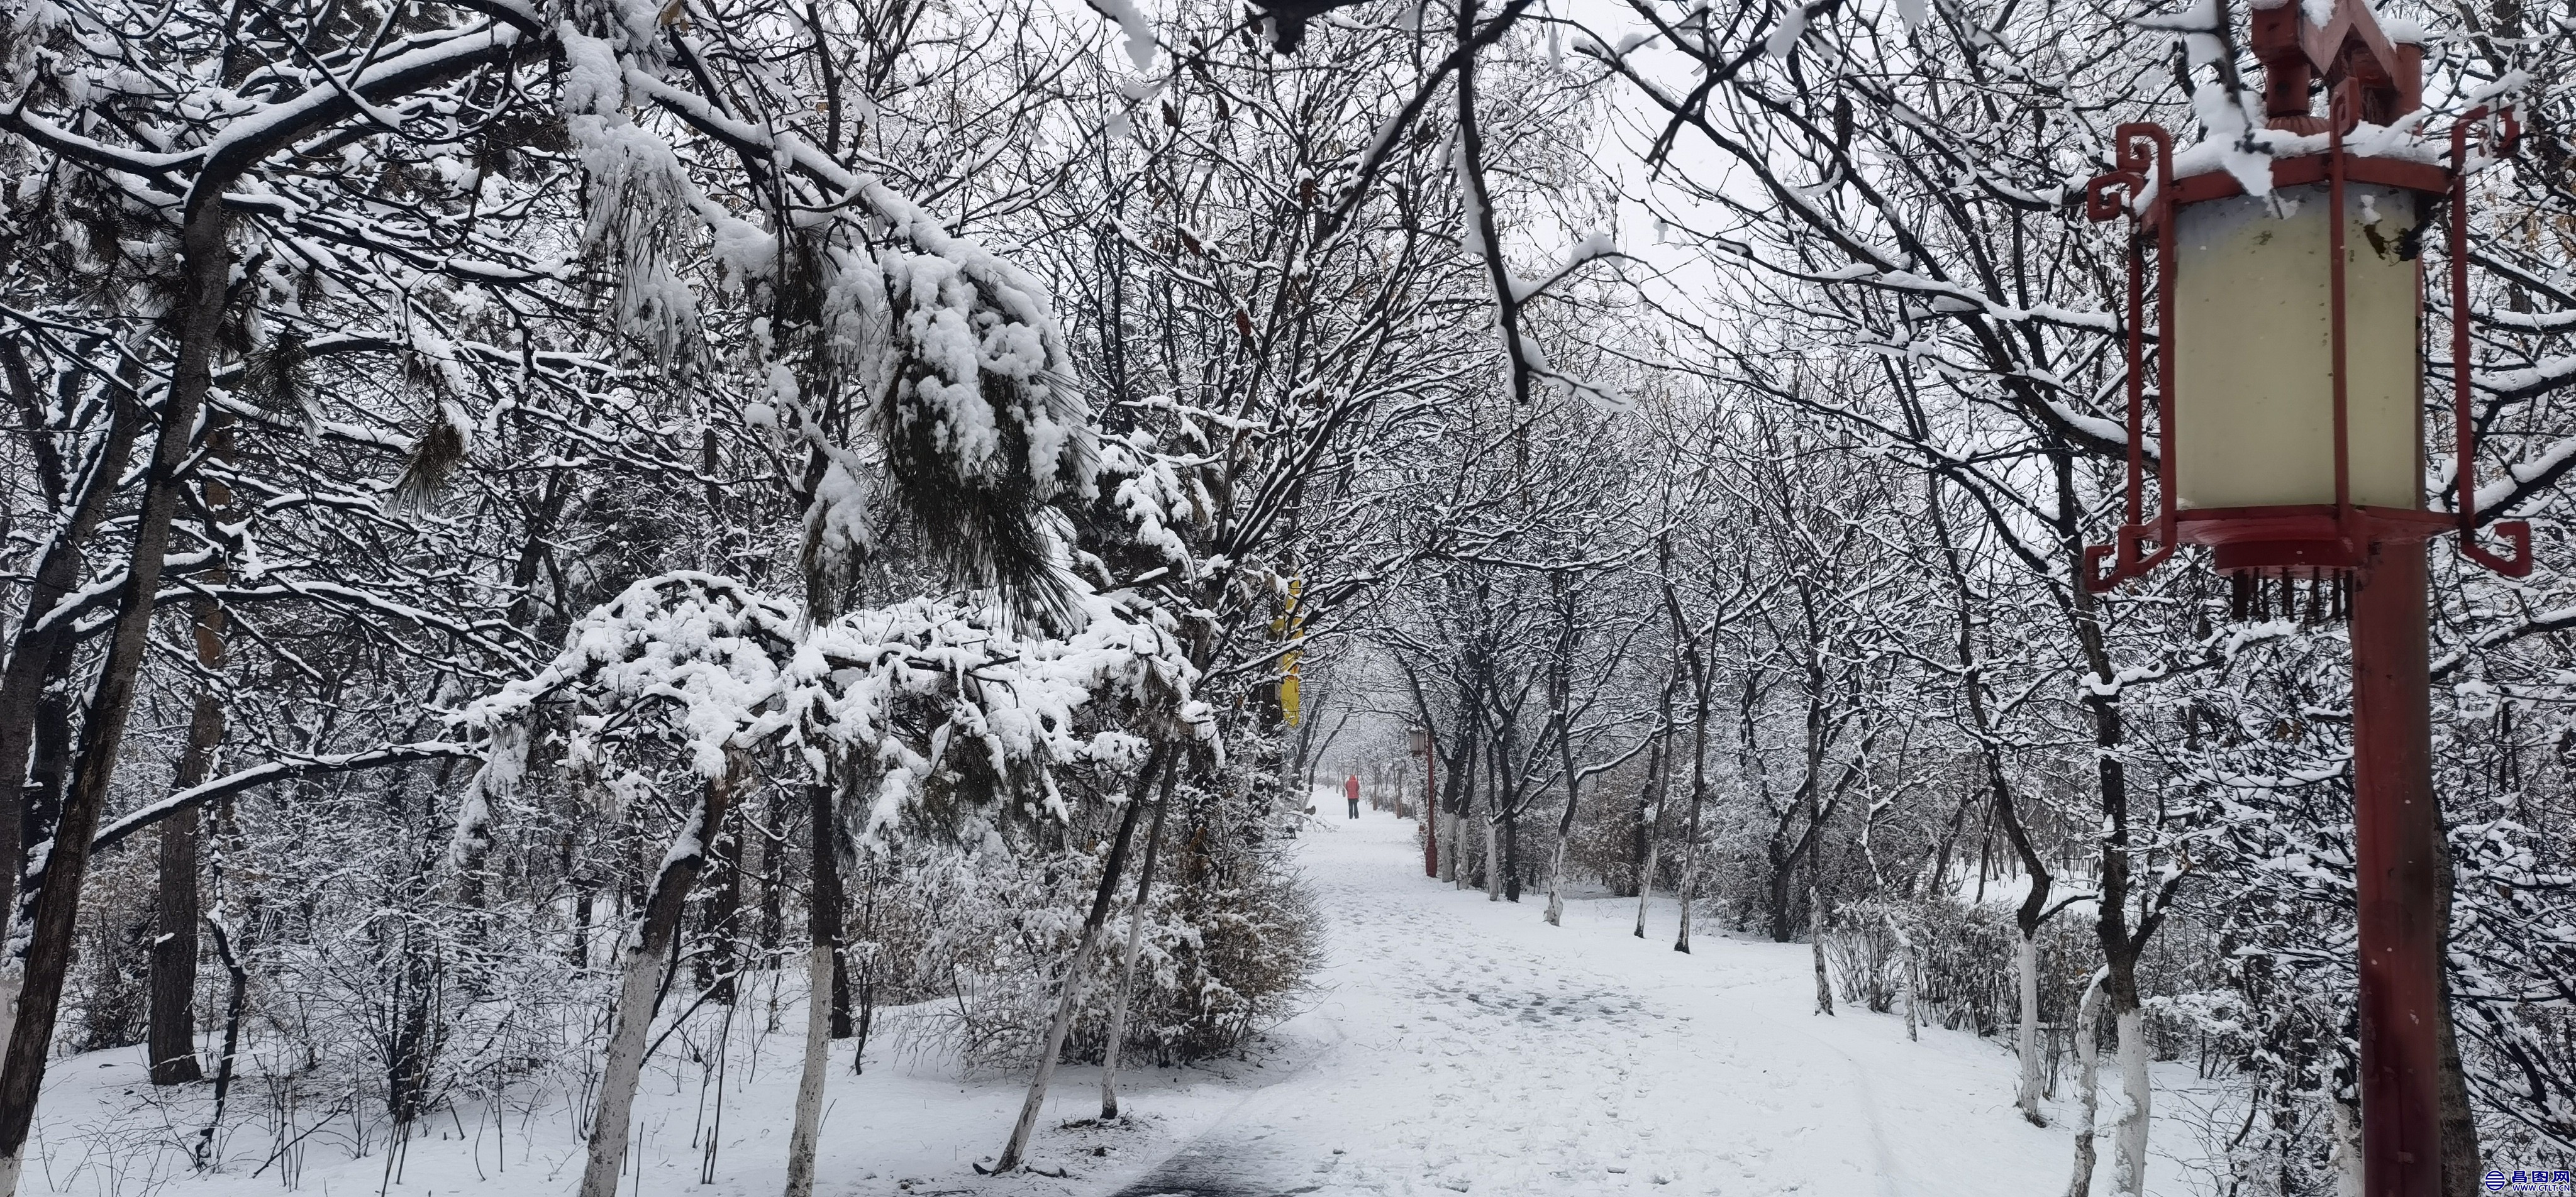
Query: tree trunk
{"x":1073,"y":973}
{"x":2129,"y":1145}
{"x":1135,"y":949}
{"x":1493,"y":859}
{"x":1688,"y":888}
{"x":647,"y":946}
{"x":822,"y":947}
{"x":172,"y":1038}
{"x":1564,"y":825}
{"x":1905,"y":977}
{"x":721,"y":964}
{"x":824,"y":906}
{"x":233,"y":1002}
{"x":2026,"y":982}
{"x":1784,"y":872}
{"x":2120,"y":947}
{"x":1816,"y":946}
{"x":207,"y":267}
{"x":1659,"y":771}
{"x":2088,"y":1033}
{"x":1453,"y":804}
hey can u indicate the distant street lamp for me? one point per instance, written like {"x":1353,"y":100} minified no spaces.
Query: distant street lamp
{"x":2289,"y":433}
{"x":1418,"y":742}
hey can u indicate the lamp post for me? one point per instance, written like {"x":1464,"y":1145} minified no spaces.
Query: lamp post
{"x":2289,"y":427}
{"x":1418,"y":740}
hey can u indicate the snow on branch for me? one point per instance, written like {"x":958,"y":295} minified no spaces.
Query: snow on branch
{"x":919,"y":692}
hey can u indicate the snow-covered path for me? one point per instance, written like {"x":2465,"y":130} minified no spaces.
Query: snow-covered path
{"x":1461,"y":1045}
{"x":1453,"y":1045}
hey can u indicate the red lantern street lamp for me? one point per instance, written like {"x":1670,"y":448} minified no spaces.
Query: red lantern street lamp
{"x":2289,"y":440}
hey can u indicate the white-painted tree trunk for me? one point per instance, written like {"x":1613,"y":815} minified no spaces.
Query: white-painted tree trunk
{"x":1556,"y":885}
{"x":1093,"y":925}
{"x":2129,"y":1147}
{"x":1127,"y":964}
{"x":623,"y":1068}
{"x":1493,"y":864}
{"x":2088,"y":1029}
{"x":648,"y":942}
{"x":808,"y":1127}
{"x":2026,"y":974}
{"x":1118,"y":1013}
{"x":1028,"y":1121}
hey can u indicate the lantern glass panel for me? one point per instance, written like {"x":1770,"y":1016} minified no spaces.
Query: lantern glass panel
{"x":2254,"y":368}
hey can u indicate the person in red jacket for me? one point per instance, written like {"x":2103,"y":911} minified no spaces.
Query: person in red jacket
{"x":1351,"y":790}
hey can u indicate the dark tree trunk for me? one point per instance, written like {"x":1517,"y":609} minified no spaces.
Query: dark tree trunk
{"x":49,"y":772}
{"x":828,"y":899}
{"x":721,"y":963}
{"x":1784,"y":868}
{"x":172,"y":1038}
{"x":1641,"y":824}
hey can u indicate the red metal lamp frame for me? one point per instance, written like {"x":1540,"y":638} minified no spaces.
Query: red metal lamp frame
{"x":2309,"y":541}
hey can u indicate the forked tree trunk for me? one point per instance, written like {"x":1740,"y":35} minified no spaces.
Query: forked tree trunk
{"x":1135,"y":948}
{"x":2088,"y":1031}
{"x":1013,"y":1150}
{"x":647,"y":946}
{"x":1658,"y":766}
{"x":206,"y":269}
{"x":1688,"y":887}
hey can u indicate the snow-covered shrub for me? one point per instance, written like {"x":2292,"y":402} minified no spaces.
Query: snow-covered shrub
{"x":1232,"y":938}
{"x":1868,"y":961}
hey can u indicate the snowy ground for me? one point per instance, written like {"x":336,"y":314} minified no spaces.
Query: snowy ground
{"x":1454,"y":1045}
